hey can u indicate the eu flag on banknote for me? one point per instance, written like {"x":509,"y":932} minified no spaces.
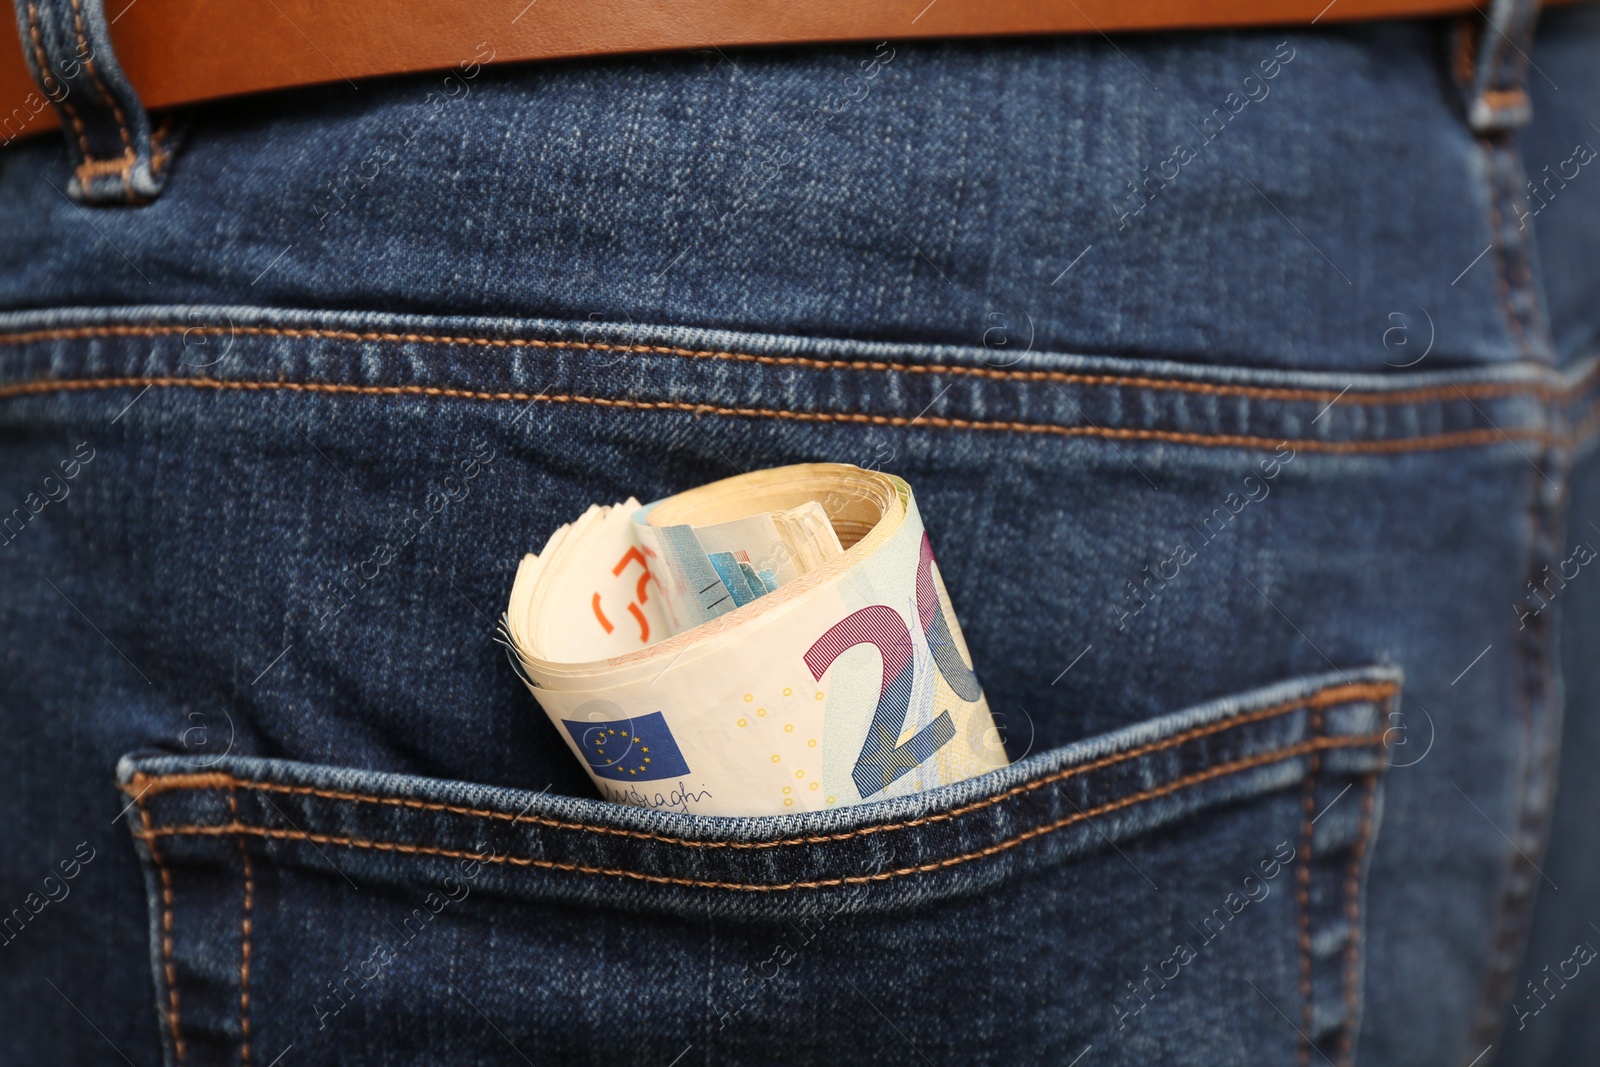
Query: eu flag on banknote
{"x":629,"y":750}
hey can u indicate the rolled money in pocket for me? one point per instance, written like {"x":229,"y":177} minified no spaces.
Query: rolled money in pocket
{"x":776,"y":642}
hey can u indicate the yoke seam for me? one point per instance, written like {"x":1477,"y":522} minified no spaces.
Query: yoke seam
{"x":1479,"y":390}
{"x":1328,"y":696}
{"x":1219,"y":771}
{"x":1424,"y":442}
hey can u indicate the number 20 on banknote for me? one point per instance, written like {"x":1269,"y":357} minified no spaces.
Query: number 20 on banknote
{"x":883,"y":758}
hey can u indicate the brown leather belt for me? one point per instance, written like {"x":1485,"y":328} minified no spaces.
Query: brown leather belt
{"x":185,"y":51}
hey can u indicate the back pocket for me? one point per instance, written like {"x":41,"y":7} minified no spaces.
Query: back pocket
{"x":1185,"y":891}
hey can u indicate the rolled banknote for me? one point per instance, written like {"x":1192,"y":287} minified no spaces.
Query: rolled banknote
{"x":780,"y":641}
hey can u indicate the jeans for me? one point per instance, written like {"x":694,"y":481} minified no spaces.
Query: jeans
{"x":1248,"y":394}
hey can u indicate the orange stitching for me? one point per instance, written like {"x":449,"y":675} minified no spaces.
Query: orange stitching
{"x":95,"y":168}
{"x":1508,"y":98}
{"x":100,"y":87}
{"x":84,"y":51}
{"x":244,"y":933}
{"x":1335,"y":694}
{"x":50,"y":81}
{"x":105,"y":94}
{"x":158,"y":152}
{"x":1221,"y":770}
{"x":1456,"y":439}
{"x":1480,"y":390}
{"x":166,"y":932}
{"x":1352,"y":911}
{"x":1466,"y":50}
{"x":1308,"y":804}
{"x":1586,"y":427}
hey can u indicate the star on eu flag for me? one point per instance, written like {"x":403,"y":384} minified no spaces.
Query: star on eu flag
{"x":624,"y":750}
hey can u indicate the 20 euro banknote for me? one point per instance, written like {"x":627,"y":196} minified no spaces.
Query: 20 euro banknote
{"x":780,"y":641}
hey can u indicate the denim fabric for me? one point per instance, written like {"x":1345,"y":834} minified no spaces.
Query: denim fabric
{"x":118,"y":156}
{"x":967,"y":872}
{"x":959,"y":185}
{"x":1253,"y":452}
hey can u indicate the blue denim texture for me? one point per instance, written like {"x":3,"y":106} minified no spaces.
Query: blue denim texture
{"x":1201,"y":502}
{"x":956,"y":874}
{"x":960,"y":186}
{"x":118,"y":155}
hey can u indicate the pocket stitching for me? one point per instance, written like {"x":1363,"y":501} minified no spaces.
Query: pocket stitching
{"x":1308,"y":804}
{"x":1334,"y":694}
{"x":1352,"y":910}
{"x":168,"y":967}
{"x":1371,"y":740}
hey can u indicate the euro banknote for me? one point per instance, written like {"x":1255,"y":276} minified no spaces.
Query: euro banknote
{"x":775,"y":642}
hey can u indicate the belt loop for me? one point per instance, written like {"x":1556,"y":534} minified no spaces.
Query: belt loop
{"x":116,"y":158}
{"x":1491,"y":65}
